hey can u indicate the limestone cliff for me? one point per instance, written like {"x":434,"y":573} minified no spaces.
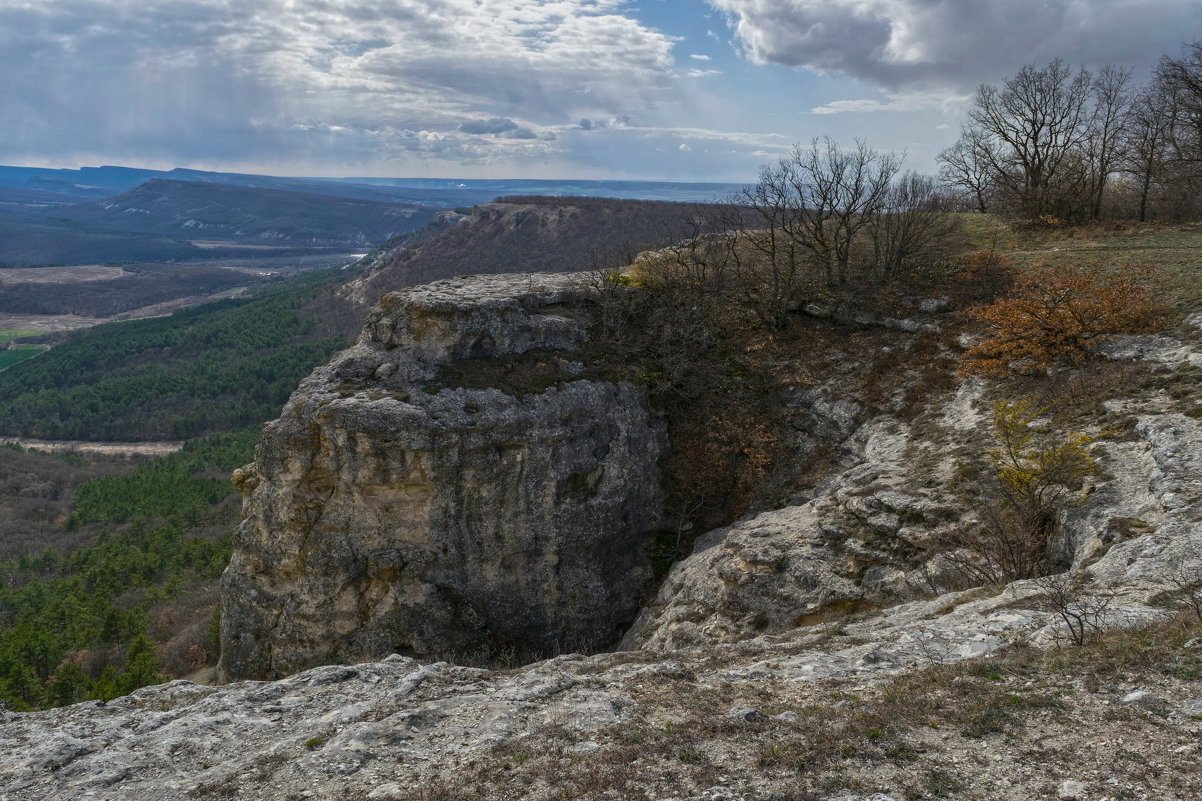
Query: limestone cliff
{"x":384,"y":514}
{"x":737,"y":691}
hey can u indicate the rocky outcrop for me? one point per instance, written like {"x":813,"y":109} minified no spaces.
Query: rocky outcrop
{"x":698,"y":724}
{"x":861,"y":542}
{"x":841,"y":552}
{"x":740,"y":689}
{"x":390,"y":511}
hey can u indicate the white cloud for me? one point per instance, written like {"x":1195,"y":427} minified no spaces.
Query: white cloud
{"x":700,"y":57}
{"x":684,"y":148}
{"x":954,"y":43}
{"x":209,"y":80}
{"x":894,"y":102}
{"x":699,"y":73}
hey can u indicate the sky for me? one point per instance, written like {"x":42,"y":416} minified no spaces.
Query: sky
{"x":687,"y":90}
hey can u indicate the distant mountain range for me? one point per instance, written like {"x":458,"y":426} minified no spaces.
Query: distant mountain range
{"x":228,"y":213}
{"x":162,"y":220}
{"x":67,"y":186}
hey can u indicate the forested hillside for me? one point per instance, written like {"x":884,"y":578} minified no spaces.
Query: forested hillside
{"x":136,"y":603}
{"x":26,"y":242}
{"x":218,"y":367}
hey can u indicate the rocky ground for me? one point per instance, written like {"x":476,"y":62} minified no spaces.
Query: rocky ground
{"x":797,"y":654}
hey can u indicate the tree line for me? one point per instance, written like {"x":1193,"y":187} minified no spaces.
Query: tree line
{"x":102,"y":620}
{"x":221,"y":366}
{"x":1059,"y":145}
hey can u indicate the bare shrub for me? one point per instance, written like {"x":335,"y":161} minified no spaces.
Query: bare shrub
{"x":913,"y":227}
{"x":1186,"y":583}
{"x":1084,"y":610}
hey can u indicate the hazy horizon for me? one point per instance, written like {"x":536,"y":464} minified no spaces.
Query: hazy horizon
{"x":663,"y":90}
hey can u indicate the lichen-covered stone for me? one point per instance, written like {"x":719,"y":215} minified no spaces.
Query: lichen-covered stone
{"x":466,"y":524}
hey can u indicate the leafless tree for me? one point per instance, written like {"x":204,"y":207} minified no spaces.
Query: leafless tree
{"x":1111,"y":95}
{"x":1147,"y":152}
{"x":799,"y":225}
{"x":1036,"y":124}
{"x":965,"y":166}
{"x":914,"y":222}
{"x":1182,"y":77}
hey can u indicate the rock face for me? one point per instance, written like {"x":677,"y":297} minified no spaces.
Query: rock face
{"x":382,"y":516}
{"x":859,"y":543}
{"x":728,"y":684}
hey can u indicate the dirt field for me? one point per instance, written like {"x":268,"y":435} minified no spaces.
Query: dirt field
{"x":60,"y":275}
{"x":105,"y":448}
{"x":48,"y":323}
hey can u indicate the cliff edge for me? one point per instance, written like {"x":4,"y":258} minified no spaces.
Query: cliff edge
{"x":390,"y":511}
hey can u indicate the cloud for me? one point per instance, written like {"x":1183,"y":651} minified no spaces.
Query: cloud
{"x":209,"y":81}
{"x":698,"y":73}
{"x":684,"y":148}
{"x":495,"y":125}
{"x":700,"y":57}
{"x":953,"y":43}
{"x":894,"y":102}
{"x":619,"y":121}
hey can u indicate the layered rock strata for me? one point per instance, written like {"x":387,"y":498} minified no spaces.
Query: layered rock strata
{"x":384,"y":514}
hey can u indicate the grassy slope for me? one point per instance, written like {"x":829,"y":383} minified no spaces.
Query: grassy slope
{"x":17,"y":355}
{"x":1171,"y":251}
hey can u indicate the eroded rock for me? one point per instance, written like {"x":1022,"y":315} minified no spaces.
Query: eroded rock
{"x":469,"y":524}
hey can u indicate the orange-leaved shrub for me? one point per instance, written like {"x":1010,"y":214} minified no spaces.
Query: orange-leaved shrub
{"x":1057,"y":316}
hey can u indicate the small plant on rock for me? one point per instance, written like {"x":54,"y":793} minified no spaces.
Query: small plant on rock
{"x":1036,"y":468}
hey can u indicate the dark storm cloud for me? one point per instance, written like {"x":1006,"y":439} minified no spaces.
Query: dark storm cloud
{"x":920,"y":44}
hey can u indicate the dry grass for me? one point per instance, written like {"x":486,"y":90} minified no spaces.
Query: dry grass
{"x":1171,"y":251}
{"x":944,"y":732}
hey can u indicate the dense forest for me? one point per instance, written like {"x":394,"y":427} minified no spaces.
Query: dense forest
{"x":138,"y":602}
{"x":217,"y":367}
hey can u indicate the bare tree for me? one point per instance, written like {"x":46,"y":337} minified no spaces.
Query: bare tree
{"x":1148,"y":148}
{"x":799,"y":225}
{"x":1036,"y":125}
{"x":914,"y":223}
{"x":1111,"y":94}
{"x":965,"y":166}
{"x":1182,"y":77}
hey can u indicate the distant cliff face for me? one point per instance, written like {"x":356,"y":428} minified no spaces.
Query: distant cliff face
{"x":544,"y":234}
{"x":382,"y":516}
